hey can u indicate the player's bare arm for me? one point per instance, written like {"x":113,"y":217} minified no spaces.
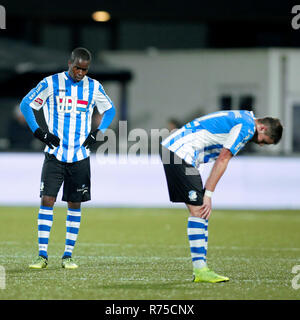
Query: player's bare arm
{"x":216,"y":173}
{"x":218,"y":169}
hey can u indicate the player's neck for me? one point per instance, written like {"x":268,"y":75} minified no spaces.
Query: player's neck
{"x":71,"y":78}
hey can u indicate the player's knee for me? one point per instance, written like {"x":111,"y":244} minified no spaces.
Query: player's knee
{"x":74,"y":205}
{"x":48,"y":201}
{"x":195,"y":211}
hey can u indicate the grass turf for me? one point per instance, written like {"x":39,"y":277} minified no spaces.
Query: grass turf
{"x":143,"y":254}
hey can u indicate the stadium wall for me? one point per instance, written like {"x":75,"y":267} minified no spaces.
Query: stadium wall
{"x":189,"y":83}
{"x":185,"y":84}
{"x":249,"y":182}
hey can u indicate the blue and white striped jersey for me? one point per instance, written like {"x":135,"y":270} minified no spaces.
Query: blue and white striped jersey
{"x":201,"y":140}
{"x":68,"y":108}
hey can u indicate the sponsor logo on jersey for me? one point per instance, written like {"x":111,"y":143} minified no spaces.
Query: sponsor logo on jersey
{"x":71,"y":104}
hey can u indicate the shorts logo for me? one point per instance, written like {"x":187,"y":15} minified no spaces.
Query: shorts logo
{"x":42,"y":186}
{"x":193,"y":195}
{"x":83,"y":189}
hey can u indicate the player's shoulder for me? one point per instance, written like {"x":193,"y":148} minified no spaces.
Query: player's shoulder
{"x":96,"y":84}
{"x":243,"y":116}
{"x":50,"y":78}
{"x":94,"y":81}
{"x":41,"y":86}
{"x":247,"y":114}
{"x":247,"y":119}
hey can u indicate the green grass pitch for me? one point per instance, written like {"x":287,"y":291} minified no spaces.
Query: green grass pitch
{"x":143,"y":254}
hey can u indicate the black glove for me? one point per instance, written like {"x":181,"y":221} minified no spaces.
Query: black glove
{"x":91,"y":139}
{"x":47,"y":137}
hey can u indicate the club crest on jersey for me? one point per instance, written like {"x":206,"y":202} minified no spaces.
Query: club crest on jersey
{"x":71,"y":104}
{"x":193,"y":195}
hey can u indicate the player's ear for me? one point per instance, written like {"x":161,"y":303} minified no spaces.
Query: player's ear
{"x":261,"y":128}
{"x":264,"y":128}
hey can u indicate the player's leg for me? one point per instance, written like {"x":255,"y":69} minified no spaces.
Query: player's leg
{"x":197,"y":230}
{"x":185,"y":185}
{"x":51,"y":181}
{"x":72,"y":229}
{"x":45,"y":221}
{"x":76,"y":190}
{"x":198,"y":240}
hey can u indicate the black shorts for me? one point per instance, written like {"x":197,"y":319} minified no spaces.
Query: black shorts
{"x":184,"y":181}
{"x":76,"y":177}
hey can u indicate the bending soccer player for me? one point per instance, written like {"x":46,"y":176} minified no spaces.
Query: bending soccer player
{"x":216,"y":137}
{"x":68,"y":99}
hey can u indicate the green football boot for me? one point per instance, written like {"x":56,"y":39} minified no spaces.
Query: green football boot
{"x":39,"y":263}
{"x":68,"y":263}
{"x":206,"y":275}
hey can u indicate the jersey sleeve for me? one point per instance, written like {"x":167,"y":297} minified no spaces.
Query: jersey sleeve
{"x":239,"y":135}
{"x":37,"y":97}
{"x":101,"y":99}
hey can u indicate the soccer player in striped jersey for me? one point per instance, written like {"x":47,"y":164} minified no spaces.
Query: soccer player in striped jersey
{"x":68,"y":100}
{"x":215,"y":137}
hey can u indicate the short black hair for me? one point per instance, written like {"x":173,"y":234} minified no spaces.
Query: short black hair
{"x":275,"y":128}
{"x":80,"y":53}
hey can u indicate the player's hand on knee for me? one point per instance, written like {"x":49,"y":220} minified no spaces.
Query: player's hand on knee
{"x":50,"y":139}
{"x":205,"y":209}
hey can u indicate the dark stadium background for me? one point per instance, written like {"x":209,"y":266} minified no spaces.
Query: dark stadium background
{"x":44,"y":32}
{"x":231,"y":23}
